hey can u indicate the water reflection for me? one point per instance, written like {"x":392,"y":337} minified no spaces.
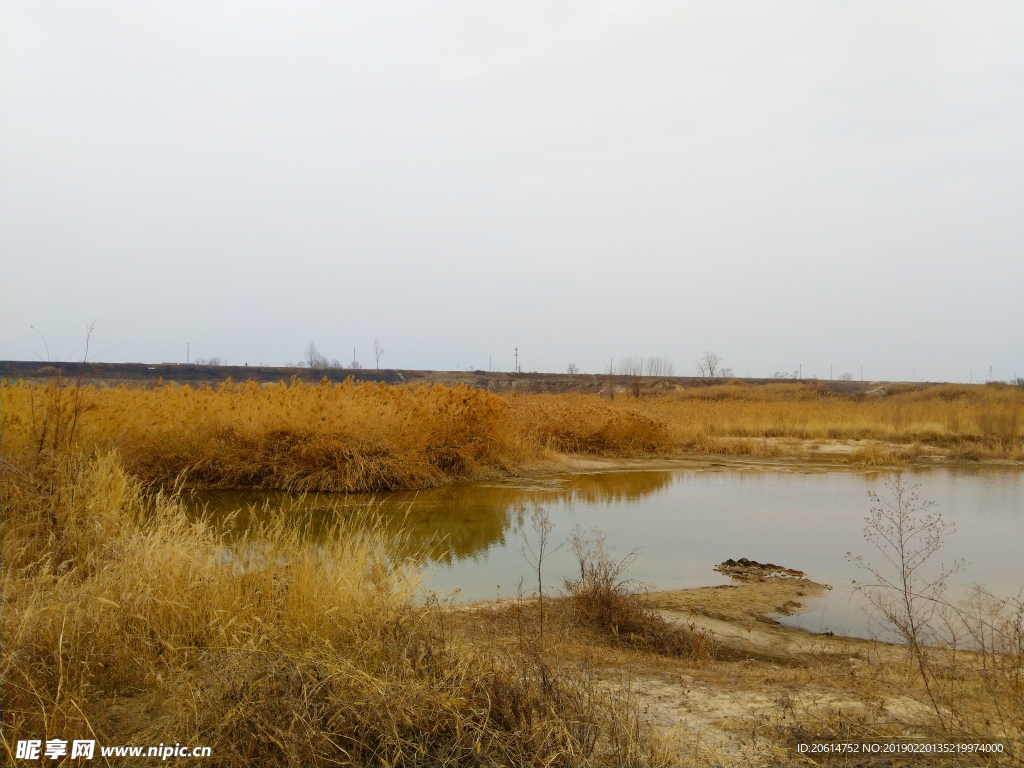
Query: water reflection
{"x":449,"y":524}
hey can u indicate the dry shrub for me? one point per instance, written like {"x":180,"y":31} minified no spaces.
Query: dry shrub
{"x":966,"y":655}
{"x":893,"y":705}
{"x":874,"y":691}
{"x":127,"y":622}
{"x":604,"y":600}
{"x":55,"y":413}
{"x":980,"y":667}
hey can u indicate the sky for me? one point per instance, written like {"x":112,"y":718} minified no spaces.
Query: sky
{"x":820,"y":186}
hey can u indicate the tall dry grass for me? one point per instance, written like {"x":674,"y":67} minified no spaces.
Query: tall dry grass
{"x":126,"y":622}
{"x":368,"y":437}
{"x":346,"y":437}
{"x":962,"y":421}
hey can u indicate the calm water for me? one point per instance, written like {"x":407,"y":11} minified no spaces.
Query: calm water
{"x":686,"y":521}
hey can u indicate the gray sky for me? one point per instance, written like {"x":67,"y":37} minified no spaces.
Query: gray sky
{"x":784,"y":183}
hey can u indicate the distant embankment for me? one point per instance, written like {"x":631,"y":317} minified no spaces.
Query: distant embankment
{"x":196,"y":375}
{"x":146,"y":374}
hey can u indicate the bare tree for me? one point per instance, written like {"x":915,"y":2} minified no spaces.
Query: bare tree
{"x":542,"y":526}
{"x":634,"y":368}
{"x":659,"y":366}
{"x":708,"y":364}
{"x":89,"y":328}
{"x":631,"y":366}
{"x":378,"y":350}
{"x":355,"y":365}
{"x":846,"y":377}
{"x":572,"y":368}
{"x":312,"y":358}
{"x":725,"y":373}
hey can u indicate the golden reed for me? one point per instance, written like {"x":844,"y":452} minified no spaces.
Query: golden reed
{"x":368,"y":437}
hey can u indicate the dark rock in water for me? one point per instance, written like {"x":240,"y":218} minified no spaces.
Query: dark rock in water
{"x":751,"y":570}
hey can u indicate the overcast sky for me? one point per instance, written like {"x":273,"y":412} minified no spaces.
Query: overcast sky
{"x":816,"y":184}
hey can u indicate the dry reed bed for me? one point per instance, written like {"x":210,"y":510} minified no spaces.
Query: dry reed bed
{"x":972,"y":421}
{"x":347,"y":437}
{"x":367,"y":437}
{"x":126,"y":622}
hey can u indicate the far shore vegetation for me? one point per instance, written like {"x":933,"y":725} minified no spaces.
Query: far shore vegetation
{"x":370,"y":437}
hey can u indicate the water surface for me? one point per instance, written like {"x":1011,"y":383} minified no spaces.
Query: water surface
{"x":683,"y":522}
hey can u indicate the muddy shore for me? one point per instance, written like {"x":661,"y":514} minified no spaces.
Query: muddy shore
{"x":764,"y":688}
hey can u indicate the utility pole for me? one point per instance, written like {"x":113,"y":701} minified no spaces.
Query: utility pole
{"x":517,"y":359}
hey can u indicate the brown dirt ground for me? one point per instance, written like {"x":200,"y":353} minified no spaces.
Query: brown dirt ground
{"x":766,"y":686}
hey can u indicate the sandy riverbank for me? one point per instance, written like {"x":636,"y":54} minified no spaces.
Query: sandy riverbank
{"x":761,"y":688}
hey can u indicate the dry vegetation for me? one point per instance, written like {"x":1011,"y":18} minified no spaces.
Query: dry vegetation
{"x":902,"y":424}
{"x":794,"y":687}
{"x":127,"y":620}
{"x":724,"y":684}
{"x":366,"y":437}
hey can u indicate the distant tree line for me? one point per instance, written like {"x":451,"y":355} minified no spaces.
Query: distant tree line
{"x":643,"y":366}
{"x":313,"y":358}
